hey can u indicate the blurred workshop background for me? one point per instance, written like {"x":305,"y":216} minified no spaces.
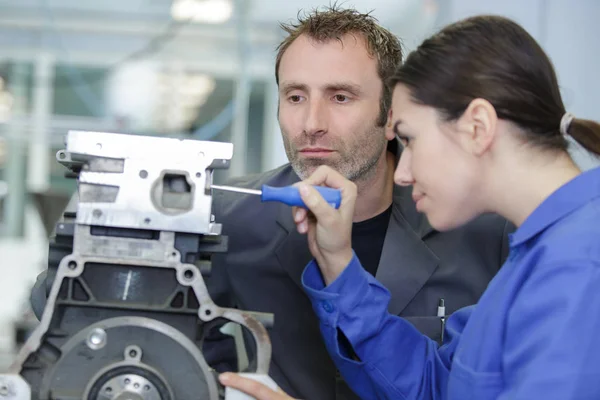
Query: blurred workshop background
{"x":190,"y":68}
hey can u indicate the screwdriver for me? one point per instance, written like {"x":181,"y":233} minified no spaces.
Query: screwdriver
{"x":287,"y":194}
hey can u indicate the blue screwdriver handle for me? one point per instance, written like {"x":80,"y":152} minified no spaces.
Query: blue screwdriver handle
{"x":291,"y":196}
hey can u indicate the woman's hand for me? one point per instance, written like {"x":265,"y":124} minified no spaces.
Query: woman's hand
{"x":329,"y":230}
{"x":252,"y":387}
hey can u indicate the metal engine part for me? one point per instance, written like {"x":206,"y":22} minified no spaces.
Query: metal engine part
{"x":128,"y":306}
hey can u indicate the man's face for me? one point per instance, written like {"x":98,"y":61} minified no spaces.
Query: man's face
{"x":329,"y":96}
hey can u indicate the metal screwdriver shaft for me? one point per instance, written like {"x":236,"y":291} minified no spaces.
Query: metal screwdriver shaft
{"x":237,"y":190}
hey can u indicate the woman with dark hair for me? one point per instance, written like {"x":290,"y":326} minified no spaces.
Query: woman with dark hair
{"x":479,"y":112}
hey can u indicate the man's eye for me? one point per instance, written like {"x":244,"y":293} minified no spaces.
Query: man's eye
{"x":295,"y":98}
{"x":341,"y":98}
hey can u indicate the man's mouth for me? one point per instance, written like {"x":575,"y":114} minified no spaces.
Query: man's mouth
{"x":315,"y":151}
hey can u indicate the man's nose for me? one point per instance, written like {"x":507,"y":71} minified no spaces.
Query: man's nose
{"x":403,"y":174}
{"x":316,"y":123}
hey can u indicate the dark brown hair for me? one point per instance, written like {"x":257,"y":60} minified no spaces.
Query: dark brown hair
{"x":333,"y":23}
{"x":493,"y":58}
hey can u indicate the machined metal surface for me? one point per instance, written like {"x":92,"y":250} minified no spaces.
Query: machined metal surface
{"x":122,"y":180}
{"x":130,"y":387}
{"x":89,"y":245}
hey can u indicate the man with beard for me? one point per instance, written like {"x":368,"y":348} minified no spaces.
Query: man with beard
{"x":331,"y":71}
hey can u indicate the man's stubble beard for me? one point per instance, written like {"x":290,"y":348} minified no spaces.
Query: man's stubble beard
{"x":357,"y":164}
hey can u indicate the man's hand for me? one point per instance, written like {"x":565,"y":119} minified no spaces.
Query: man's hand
{"x":329,"y":230}
{"x":252,"y":387}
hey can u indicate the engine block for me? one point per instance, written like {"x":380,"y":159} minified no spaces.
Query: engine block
{"x":128,"y":307}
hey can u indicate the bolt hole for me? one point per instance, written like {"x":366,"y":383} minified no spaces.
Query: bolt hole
{"x":132,"y":353}
{"x":143,"y":174}
{"x":208,"y":312}
{"x":198,"y":174}
{"x":188,"y":274}
{"x":146,"y":387}
{"x":147,"y":220}
{"x":97,"y":213}
{"x":62,"y":156}
{"x":108,"y":389}
{"x":72,"y":265}
{"x":127,"y":381}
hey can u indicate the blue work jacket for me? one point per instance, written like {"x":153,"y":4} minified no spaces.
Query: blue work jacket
{"x":533,"y":335}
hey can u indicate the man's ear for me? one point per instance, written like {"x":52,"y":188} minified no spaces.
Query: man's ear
{"x":477,"y":127}
{"x":389,"y":129}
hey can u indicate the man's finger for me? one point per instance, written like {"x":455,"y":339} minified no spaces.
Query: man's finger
{"x":251,"y":387}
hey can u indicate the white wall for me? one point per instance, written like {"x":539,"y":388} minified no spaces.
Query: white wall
{"x":568,"y":31}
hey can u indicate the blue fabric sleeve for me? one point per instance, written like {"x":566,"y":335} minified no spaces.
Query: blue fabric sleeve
{"x":551,"y":348}
{"x":387,"y":357}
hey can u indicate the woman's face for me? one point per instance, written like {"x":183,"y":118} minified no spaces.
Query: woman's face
{"x":443,"y":175}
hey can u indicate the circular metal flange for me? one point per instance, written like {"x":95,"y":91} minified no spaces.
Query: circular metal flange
{"x":129,"y":387}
